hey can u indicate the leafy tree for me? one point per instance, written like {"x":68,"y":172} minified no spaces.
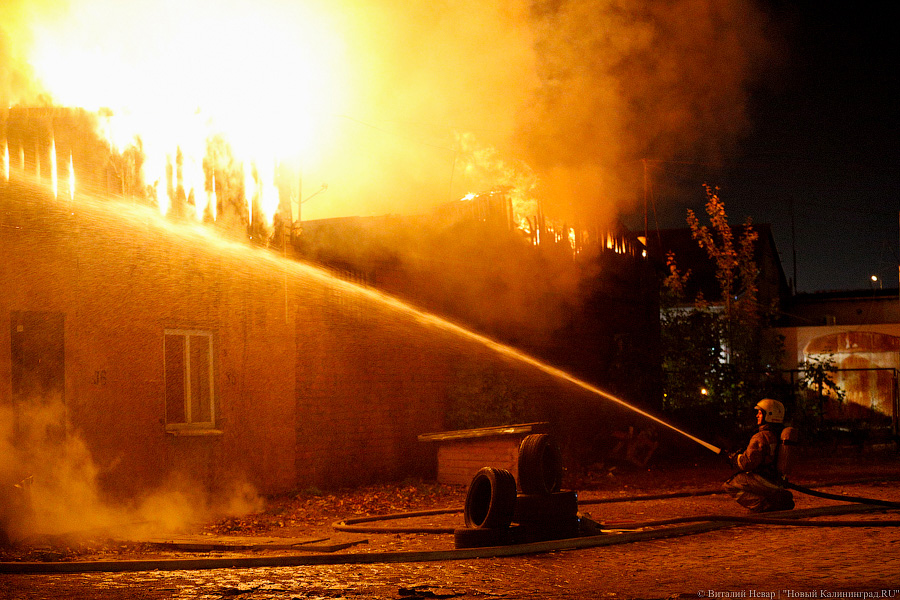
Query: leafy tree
{"x":716,"y":354}
{"x":815,"y":387}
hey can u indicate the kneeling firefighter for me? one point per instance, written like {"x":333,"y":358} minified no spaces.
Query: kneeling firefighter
{"x":758,"y":484}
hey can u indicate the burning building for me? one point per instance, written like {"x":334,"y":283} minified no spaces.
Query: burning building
{"x":58,"y":147}
{"x":168,"y":353}
{"x":585,"y":301}
{"x":232,"y":117}
{"x":172,"y":352}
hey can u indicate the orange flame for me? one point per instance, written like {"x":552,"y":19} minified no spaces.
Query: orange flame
{"x":264,"y":74}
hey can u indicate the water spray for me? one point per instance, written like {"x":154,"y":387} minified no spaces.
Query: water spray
{"x":511,"y":352}
{"x":582,"y":384}
{"x":521,"y":357}
{"x":559,"y":373}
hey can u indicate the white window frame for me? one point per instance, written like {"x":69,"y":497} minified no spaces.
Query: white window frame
{"x":189,"y":423}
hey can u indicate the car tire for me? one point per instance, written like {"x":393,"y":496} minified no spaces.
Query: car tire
{"x":490,"y":499}
{"x":482,"y":538}
{"x":540,"y":465}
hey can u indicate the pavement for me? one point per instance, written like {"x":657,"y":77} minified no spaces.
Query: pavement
{"x":712,"y":560}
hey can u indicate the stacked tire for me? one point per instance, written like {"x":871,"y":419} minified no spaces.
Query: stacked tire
{"x":540,"y":465}
{"x":496,"y":514}
{"x":543,"y":511}
{"x":488,"y":513}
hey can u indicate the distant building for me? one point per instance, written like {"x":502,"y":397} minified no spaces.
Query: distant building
{"x":859,"y":331}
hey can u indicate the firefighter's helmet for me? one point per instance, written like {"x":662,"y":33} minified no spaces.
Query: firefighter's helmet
{"x":773,"y":410}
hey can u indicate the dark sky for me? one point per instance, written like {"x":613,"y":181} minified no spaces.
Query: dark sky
{"x":823,"y":154}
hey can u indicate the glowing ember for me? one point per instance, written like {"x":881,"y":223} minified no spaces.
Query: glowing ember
{"x":213,"y":200}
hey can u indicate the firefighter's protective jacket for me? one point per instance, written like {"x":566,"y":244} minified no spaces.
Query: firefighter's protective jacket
{"x":759,"y":485}
{"x":761,"y":452}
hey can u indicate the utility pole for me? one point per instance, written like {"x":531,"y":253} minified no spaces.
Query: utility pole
{"x":646,"y":192}
{"x":793,"y":244}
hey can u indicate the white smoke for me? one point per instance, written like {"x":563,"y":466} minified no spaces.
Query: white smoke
{"x":50,"y":485}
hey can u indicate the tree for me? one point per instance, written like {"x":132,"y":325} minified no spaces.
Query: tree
{"x":717,"y":352}
{"x":815,"y":387}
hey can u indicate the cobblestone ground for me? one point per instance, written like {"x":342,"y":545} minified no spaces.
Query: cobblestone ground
{"x":754,"y":561}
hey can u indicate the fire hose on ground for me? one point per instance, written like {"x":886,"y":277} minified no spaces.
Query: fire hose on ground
{"x":492,"y":496}
{"x":857,"y":499}
{"x":679,"y":526}
{"x":360,"y":524}
{"x":541,"y":475}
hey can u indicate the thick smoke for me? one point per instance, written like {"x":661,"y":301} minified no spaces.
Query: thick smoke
{"x":560,"y":99}
{"x":625,"y":81}
{"x":578,"y":91}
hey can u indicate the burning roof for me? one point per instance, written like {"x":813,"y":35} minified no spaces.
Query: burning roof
{"x":397,"y":108}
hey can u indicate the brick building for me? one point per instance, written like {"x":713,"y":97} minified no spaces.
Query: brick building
{"x":171,"y":350}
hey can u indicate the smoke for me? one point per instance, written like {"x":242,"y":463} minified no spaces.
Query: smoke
{"x":624,"y":81}
{"x":397,"y":107}
{"x":50,"y":485}
{"x":576,"y":91}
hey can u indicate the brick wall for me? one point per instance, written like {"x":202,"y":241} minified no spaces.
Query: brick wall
{"x":315,"y":383}
{"x":370,"y":379}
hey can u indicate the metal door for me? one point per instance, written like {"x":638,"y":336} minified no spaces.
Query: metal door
{"x":38,"y":356}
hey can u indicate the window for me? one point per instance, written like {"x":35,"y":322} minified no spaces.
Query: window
{"x":189,"y":379}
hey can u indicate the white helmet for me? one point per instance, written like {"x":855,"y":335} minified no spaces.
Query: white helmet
{"x":772,"y":409}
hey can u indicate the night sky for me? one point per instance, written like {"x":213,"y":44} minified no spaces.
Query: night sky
{"x":823,"y":154}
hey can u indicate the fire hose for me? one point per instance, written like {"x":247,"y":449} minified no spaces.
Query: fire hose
{"x":856,"y":499}
{"x":598,"y":536}
{"x":363,"y":524}
{"x":634,"y":532}
{"x":713,"y":522}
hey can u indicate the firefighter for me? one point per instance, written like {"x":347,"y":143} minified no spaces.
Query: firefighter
{"x":758,"y":484}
